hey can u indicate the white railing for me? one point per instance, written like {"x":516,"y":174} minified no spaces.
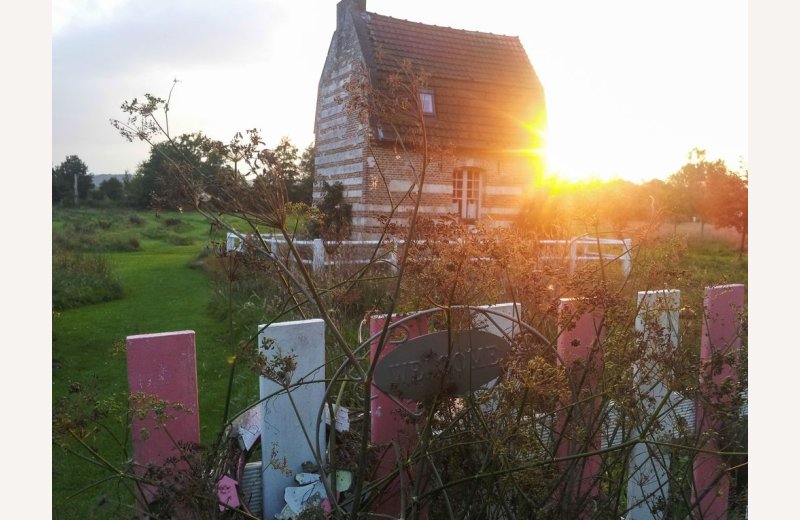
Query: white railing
{"x":591,"y":249}
{"x":314,"y":252}
{"x":574,"y":250}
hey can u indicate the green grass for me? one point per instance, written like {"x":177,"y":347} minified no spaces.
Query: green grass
{"x":82,"y":278}
{"x":162,"y":293}
{"x":163,"y":290}
{"x":713,"y":262}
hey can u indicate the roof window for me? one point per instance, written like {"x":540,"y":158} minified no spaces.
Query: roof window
{"x":426,"y":102}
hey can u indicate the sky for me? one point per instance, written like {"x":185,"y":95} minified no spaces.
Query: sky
{"x":631,"y":86}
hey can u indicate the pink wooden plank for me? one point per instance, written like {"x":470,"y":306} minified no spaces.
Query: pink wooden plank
{"x":388,"y":420}
{"x":227,"y":494}
{"x":163,"y":366}
{"x":579,"y":350}
{"x":723,"y":305}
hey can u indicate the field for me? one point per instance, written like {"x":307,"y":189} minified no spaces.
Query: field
{"x":165,"y":289}
{"x":161,"y":266}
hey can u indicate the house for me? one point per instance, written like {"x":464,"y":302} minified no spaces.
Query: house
{"x":479,"y":98}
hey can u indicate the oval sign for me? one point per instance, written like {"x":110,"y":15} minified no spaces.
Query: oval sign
{"x":426,"y":365}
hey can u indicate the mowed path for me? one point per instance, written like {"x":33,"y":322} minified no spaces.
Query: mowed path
{"x":162,"y":294}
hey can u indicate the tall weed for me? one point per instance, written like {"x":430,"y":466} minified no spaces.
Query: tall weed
{"x":82,"y":279}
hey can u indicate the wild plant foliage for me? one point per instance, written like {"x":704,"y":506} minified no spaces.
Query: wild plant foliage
{"x":522,"y":447}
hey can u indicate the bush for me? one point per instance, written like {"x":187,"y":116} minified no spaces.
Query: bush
{"x":239,"y":293}
{"x":178,"y":240}
{"x":335,"y":218}
{"x":123,"y":245}
{"x":82,"y":279}
{"x":176,"y":225}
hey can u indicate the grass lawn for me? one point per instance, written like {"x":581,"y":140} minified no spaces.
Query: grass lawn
{"x":156,"y":261}
{"x":162,"y":293}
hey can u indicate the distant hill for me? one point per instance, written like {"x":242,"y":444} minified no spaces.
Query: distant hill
{"x":99,"y":178}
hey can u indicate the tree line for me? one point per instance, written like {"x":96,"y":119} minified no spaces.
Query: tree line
{"x":702,"y":191}
{"x":152,"y":185}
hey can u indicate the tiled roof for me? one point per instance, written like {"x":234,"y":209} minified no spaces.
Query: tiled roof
{"x":484,"y":86}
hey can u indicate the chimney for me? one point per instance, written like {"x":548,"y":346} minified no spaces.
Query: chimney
{"x":344,"y":5}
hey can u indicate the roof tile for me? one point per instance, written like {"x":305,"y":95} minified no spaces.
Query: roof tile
{"x":484,"y":84}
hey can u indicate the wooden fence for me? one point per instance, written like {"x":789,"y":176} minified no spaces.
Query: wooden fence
{"x":290,"y":423}
{"x":355,"y":252}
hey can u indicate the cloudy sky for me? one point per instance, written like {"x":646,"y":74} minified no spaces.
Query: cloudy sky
{"x":631,"y":86}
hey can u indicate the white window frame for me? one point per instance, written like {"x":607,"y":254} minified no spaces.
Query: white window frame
{"x":427,"y":104}
{"x":467,"y":196}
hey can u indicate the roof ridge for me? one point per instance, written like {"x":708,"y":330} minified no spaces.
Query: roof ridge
{"x":468,"y":31}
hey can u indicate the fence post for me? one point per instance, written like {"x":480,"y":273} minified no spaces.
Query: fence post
{"x":627,"y":257}
{"x":289,"y":429}
{"x":580,"y":351}
{"x":389,"y":421}
{"x":648,"y":481}
{"x":163,"y":367}
{"x":719,"y":356}
{"x":573,"y":257}
{"x":496,"y":324}
{"x":393,"y":256}
{"x":319,"y":255}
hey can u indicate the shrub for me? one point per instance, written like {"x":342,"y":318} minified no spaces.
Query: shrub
{"x":155,"y":233}
{"x":118,"y":244}
{"x":334,"y":220}
{"x":82,"y":279}
{"x":176,"y":225}
{"x":69,"y":240}
{"x":178,"y":240}
{"x":498,"y":452}
{"x":239,"y":294}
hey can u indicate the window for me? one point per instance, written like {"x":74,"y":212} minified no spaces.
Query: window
{"x":426,"y":102}
{"x":467,"y":194}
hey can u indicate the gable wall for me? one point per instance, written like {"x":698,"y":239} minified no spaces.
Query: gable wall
{"x":339,"y":137}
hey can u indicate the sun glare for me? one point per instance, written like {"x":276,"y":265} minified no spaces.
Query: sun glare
{"x":571,"y":160}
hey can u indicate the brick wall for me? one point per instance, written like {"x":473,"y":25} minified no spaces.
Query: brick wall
{"x":339,"y":137}
{"x":375,"y":182}
{"x":390,"y":174}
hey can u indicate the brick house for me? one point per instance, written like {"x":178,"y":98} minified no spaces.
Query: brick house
{"x":481,"y":102}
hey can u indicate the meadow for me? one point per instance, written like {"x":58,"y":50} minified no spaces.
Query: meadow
{"x":158,"y":275}
{"x":159,"y":265}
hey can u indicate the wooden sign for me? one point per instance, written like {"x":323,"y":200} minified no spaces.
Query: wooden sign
{"x":428,"y":365}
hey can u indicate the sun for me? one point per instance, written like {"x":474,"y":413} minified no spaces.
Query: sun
{"x":567,"y":158}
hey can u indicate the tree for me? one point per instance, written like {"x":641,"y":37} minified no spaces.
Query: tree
{"x":286,"y":159}
{"x":622,"y":202}
{"x":336,"y":217}
{"x":295,"y":170}
{"x":727,"y":200}
{"x":691,"y":195}
{"x":64,"y":181}
{"x":305,"y":185}
{"x":656,"y":192}
{"x":173,"y":166}
{"x":112,"y":189}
